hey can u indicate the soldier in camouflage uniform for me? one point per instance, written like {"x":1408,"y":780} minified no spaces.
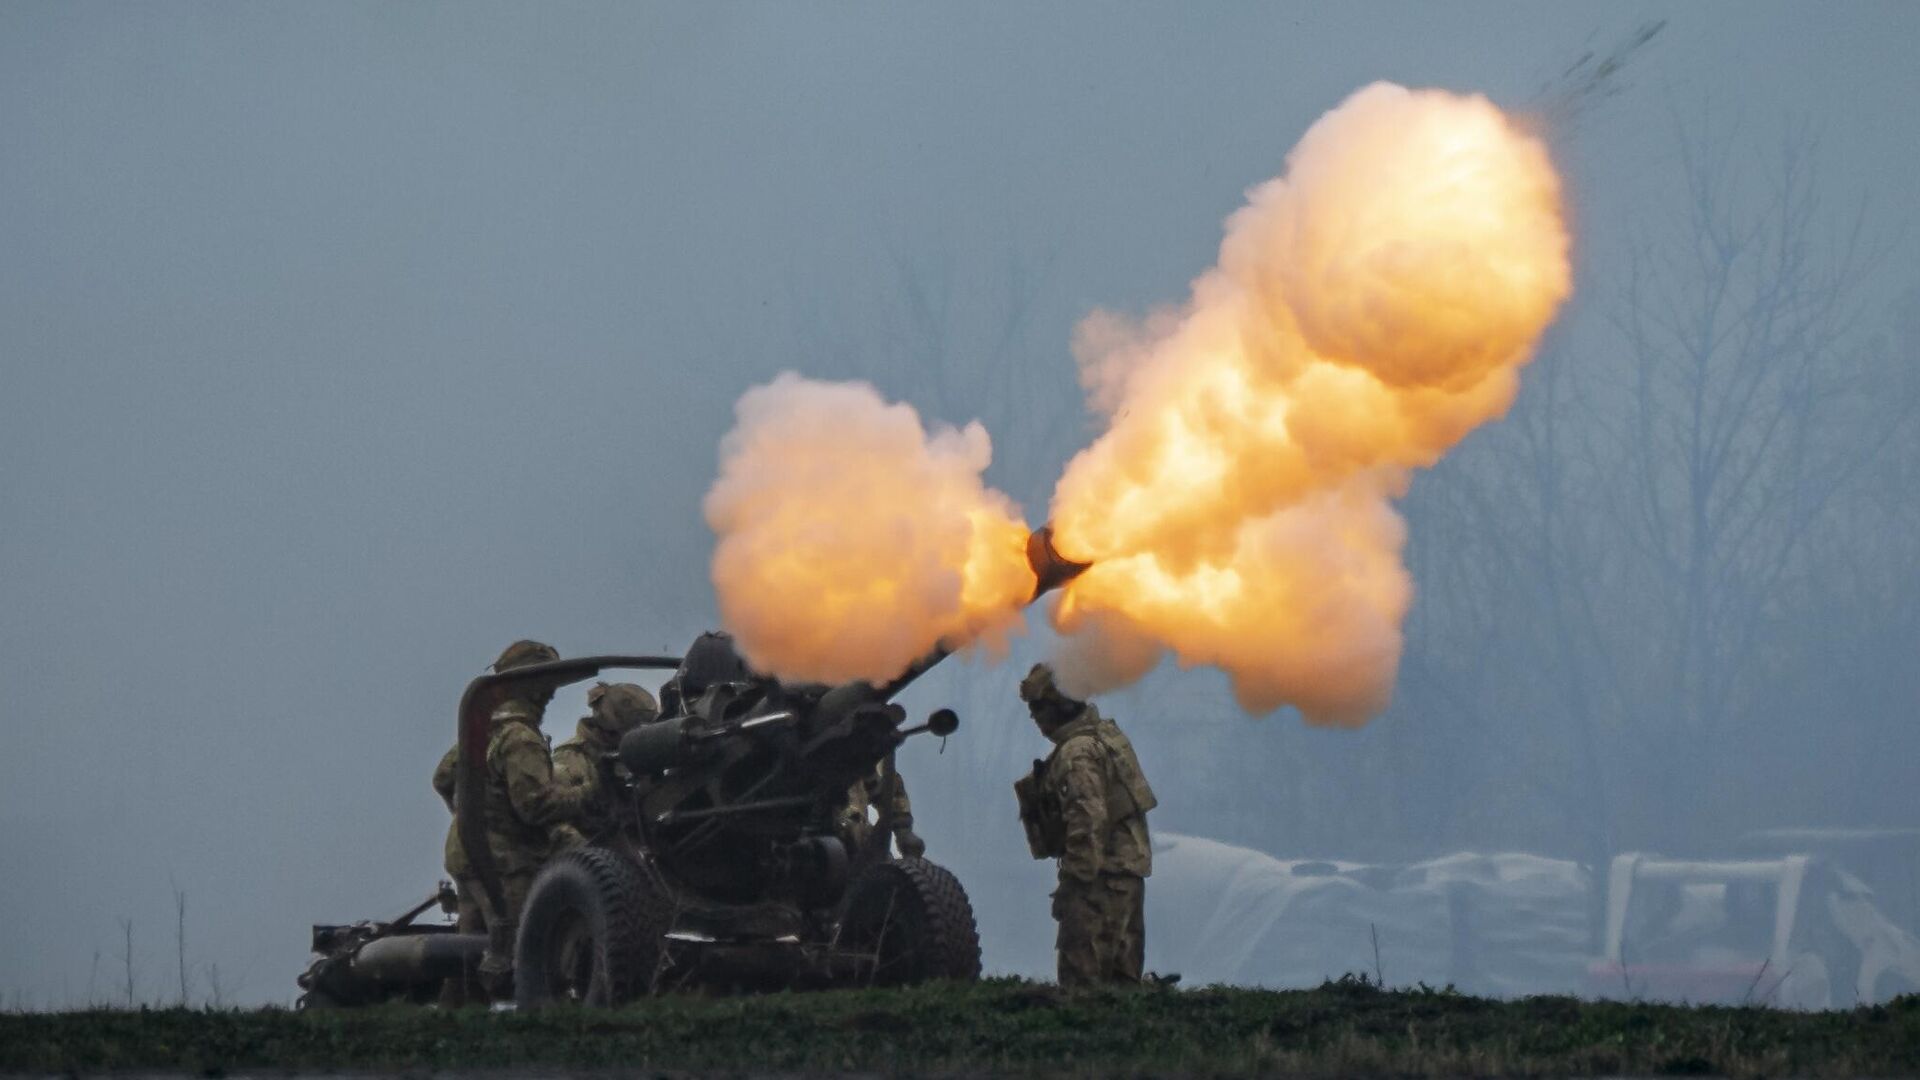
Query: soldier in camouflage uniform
{"x":885,"y":791}
{"x":613,"y":710}
{"x":1086,"y":805}
{"x":529,"y":815}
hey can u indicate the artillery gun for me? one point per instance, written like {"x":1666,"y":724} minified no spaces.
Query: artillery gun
{"x":722,"y":866}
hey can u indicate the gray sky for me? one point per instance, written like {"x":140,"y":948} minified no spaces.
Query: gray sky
{"x":344,"y":344}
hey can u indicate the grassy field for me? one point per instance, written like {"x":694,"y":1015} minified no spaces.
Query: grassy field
{"x":1001,"y":1026}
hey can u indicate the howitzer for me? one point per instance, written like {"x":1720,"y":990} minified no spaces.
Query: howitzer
{"x":724,"y":867}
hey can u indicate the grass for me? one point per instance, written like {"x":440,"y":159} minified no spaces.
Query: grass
{"x":1343,"y":1028}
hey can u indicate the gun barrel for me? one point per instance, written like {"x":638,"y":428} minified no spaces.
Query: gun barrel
{"x":1051,"y":570}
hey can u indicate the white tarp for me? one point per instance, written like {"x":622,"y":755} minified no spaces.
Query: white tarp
{"x":1503,"y":924}
{"x":1506,"y":924}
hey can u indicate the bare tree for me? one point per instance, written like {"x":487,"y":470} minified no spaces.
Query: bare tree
{"x":126,"y":956}
{"x":217,"y":993}
{"x":180,"y":940}
{"x":1749,"y":412}
{"x":1610,"y":579}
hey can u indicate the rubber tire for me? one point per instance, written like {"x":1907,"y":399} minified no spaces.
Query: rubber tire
{"x":625,"y":917}
{"x":924,"y":912}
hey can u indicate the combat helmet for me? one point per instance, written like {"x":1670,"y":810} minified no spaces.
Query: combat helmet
{"x":1039,"y":685}
{"x":523,"y":653}
{"x":618,"y":708}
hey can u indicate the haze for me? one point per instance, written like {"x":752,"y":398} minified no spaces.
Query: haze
{"x":344,"y":344}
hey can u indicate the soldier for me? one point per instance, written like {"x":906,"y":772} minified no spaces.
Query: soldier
{"x":1086,"y":805}
{"x":711,"y":661}
{"x":886,"y":791}
{"x":613,"y":710}
{"x":528,"y":813}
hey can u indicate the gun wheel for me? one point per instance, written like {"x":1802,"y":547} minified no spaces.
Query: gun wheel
{"x":591,"y":932}
{"x":913,"y":919}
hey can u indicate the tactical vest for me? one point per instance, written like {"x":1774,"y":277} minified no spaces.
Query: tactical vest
{"x":1126,"y":769}
{"x":1129,"y":793}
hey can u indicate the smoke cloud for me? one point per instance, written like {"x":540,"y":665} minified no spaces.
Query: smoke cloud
{"x":851,"y":541}
{"x":1369,"y":308}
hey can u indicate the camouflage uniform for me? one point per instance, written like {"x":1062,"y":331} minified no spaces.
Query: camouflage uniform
{"x":470,"y":920}
{"x":615,"y":710}
{"x":528,"y":814}
{"x":529,"y":811}
{"x":886,"y":791}
{"x":1093,"y":792}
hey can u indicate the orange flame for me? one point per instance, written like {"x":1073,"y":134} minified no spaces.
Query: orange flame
{"x":1369,"y":308}
{"x":851,"y":542}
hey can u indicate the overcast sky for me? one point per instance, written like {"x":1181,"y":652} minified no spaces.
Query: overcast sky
{"x":345,"y":343}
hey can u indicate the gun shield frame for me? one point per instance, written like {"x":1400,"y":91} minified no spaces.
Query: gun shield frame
{"x":482,"y":696}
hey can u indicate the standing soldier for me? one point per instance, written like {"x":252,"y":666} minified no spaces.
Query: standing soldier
{"x":1086,"y":805}
{"x":612,"y":711}
{"x":528,"y":814}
